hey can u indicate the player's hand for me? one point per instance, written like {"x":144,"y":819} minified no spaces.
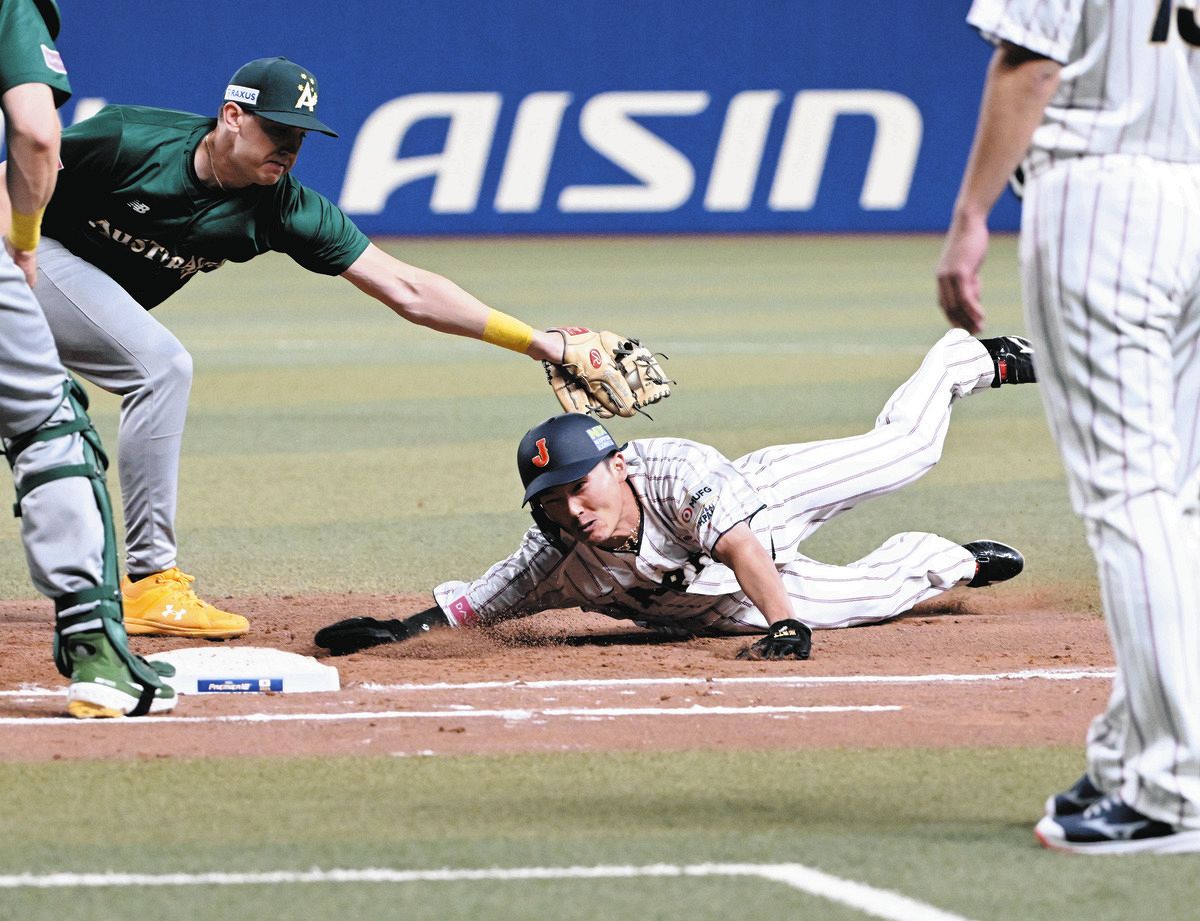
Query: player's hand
{"x":358,"y":633}
{"x":25,"y":260}
{"x":787,"y":639}
{"x":959,"y":289}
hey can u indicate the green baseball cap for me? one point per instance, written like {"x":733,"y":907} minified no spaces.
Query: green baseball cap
{"x":278,"y":90}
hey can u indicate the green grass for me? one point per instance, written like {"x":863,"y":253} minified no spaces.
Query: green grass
{"x":950,"y":828}
{"x":332,"y":447}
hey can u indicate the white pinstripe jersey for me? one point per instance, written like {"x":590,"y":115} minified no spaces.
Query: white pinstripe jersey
{"x":690,"y":495}
{"x":1130,"y":80}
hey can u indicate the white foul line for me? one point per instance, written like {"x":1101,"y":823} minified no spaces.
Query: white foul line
{"x":510,"y":715}
{"x":879,"y":903}
{"x":1049,"y":674}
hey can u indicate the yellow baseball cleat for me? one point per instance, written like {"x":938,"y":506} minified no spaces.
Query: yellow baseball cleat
{"x":165,"y":605}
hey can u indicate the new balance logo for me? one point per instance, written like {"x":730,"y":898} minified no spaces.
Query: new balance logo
{"x":139,"y":207}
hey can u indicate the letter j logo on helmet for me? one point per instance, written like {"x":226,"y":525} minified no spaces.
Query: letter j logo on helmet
{"x":543,"y":456}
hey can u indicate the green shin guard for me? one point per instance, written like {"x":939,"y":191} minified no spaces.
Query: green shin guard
{"x":100,"y":623}
{"x":80,"y":637}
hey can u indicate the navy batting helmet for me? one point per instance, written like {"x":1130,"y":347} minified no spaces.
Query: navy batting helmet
{"x":560,"y":450}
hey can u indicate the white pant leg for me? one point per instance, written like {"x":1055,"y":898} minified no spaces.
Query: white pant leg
{"x":108,"y":338}
{"x":1106,"y":251}
{"x":907,"y":569}
{"x":818,"y":480}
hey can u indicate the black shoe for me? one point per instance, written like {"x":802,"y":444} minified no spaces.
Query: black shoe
{"x":1075,"y":800}
{"x":1012,"y":357}
{"x":1108,"y":826}
{"x":994,"y":562}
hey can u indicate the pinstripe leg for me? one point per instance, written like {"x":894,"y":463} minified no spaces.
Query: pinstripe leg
{"x":907,"y":569}
{"x":1097,"y":250}
{"x":821,"y":479}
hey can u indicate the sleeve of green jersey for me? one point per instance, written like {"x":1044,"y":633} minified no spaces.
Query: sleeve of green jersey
{"x":27,"y":53}
{"x":91,"y":146}
{"x":316,"y":232}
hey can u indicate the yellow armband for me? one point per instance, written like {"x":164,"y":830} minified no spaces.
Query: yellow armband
{"x":26,"y":230}
{"x":507,"y":332}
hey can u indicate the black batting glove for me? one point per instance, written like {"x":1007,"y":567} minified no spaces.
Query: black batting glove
{"x":357,"y":633}
{"x":786,"y":639}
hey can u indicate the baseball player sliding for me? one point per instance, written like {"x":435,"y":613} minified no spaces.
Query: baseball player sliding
{"x":146,"y":200}
{"x":671,"y":534}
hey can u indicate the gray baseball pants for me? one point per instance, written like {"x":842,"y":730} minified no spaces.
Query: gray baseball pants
{"x":61,"y":527}
{"x":106,"y":337}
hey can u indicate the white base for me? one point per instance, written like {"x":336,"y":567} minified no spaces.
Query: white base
{"x":246,"y":669}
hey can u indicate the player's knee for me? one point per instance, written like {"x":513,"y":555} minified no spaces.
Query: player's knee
{"x":922,"y":453}
{"x":172,"y":370}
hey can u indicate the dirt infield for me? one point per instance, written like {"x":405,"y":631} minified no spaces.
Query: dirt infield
{"x":968,"y":674}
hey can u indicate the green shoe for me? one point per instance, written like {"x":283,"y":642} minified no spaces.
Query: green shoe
{"x":102,"y":686}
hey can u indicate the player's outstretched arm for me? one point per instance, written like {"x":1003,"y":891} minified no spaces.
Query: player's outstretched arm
{"x":1019,"y":86}
{"x":786,"y":638}
{"x":599,"y":372}
{"x":428,"y":299}
{"x":357,"y":633}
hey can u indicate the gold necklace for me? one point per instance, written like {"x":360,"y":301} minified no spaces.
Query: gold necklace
{"x":212,"y":164}
{"x":629,"y":545}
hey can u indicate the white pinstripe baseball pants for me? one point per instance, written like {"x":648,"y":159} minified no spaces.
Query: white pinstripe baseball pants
{"x":1110,"y":252}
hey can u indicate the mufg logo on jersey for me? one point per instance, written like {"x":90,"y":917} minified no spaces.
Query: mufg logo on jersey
{"x":663,"y":176}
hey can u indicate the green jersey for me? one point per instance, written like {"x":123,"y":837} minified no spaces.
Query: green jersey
{"x":27,"y":52}
{"x":128,"y":200}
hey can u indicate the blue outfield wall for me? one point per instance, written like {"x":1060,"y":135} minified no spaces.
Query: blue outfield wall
{"x":563,"y":116}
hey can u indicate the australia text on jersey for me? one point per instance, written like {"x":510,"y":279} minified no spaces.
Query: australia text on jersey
{"x":155,"y":252}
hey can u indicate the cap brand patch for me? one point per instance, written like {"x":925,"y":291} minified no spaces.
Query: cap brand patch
{"x":600,"y":438}
{"x":246,"y":94}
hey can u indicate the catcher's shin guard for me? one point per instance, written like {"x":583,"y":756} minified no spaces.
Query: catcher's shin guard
{"x":95,"y":610}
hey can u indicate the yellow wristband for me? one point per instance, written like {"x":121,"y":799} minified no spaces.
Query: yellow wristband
{"x":507,"y":332}
{"x":26,"y":230}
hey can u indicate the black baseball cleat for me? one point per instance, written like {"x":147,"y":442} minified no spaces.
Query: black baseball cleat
{"x":1075,"y":800}
{"x":1012,"y":357}
{"x":1109,"y":826}
{"x":994,"y":562}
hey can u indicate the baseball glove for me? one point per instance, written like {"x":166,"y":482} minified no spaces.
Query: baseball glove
{"x":787,"y":639}
{"x":606,"y":374}
{"x":358,"y":633}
